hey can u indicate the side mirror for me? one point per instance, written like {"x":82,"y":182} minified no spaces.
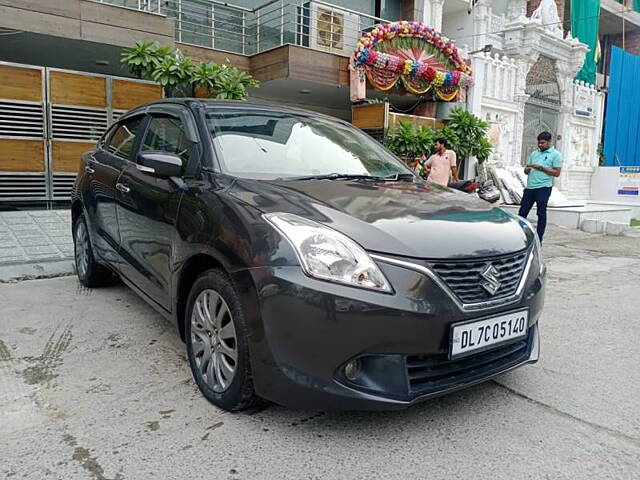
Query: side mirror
{"x":160,"y":165}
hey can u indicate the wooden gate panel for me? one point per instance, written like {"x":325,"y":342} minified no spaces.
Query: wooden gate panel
{"x":21,"y":83}
{"x":65,"y":156}
{"x":49,"y":118}
{"x":127,"y":94}
{"x":18,"y":155}
{"x":77,"y":89}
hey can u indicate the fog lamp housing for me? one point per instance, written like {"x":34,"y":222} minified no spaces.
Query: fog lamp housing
{"x":352,"y":369}
{"x":376,"y":373}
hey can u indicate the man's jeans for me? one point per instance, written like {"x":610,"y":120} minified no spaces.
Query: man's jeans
{"x":539,"y":196}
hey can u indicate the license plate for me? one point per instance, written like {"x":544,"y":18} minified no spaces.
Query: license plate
{"x":471,"y":336}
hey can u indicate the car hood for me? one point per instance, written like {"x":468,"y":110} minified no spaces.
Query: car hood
{"x":408,"y":219}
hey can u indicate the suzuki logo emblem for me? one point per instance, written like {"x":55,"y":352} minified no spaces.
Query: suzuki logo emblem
{"x":490,"y":280}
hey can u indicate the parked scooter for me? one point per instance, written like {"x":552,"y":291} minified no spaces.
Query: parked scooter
{"x":486,"y":190}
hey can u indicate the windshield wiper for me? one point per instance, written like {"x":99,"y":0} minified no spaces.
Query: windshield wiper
{"x":352,"y":176}
{"x":329,"y":176}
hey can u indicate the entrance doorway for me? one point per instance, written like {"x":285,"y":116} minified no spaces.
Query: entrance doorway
{"x":537,"y":119}
{"x":542,"y":108}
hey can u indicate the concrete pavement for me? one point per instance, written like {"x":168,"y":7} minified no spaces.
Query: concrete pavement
{"x":94,"y":385}
{"x":35,"y":244}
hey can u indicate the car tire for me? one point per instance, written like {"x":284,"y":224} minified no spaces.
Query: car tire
{"x":90,"y":273}
{"x":217,"y":346}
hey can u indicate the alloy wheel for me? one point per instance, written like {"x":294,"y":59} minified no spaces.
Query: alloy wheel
{"x":214,"y":341}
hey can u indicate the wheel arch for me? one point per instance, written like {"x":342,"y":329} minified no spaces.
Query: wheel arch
{"x":77,"y":209}
{"x":193,"y":267}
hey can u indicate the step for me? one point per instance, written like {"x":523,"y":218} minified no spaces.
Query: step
{"x":634,"y":206}
{"x":572,"y":217}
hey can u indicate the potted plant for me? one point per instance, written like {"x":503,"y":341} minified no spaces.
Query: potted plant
{"x":179,"y":75}
{"x":409,"y":142}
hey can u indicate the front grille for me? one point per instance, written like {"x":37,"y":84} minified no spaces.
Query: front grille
{"x":465,"y":280}
{"x":427,"y":374}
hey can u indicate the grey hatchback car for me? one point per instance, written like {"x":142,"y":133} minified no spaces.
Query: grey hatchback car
{"x":302,"y":262}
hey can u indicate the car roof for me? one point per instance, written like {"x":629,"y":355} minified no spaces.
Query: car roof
{"x":209,"y":103}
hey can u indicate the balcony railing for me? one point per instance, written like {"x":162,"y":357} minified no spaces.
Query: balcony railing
{"x":220,"y":25}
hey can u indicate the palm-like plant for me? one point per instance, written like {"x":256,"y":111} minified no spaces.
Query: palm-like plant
{"x":205,"y":76}
{"x":142,"y":58}
{"x":233,"y":84}
{"x":222,"y":81}
{"x":174,"y":72}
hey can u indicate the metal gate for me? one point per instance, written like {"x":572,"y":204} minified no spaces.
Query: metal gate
{"x":48,"y":117}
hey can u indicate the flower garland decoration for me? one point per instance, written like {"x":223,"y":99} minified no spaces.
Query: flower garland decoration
{"x":418,"y":77}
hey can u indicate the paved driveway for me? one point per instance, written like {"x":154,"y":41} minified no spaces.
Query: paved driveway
{"x":94,"y":385}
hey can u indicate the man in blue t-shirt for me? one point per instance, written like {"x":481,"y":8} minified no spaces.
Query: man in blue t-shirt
{"x":544,"y":164}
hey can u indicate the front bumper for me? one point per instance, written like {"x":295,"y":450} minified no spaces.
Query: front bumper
{"x":304,"y":332}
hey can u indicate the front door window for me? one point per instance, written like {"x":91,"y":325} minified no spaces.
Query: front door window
{"x":123,"y":139}
{"x":166,"y":134}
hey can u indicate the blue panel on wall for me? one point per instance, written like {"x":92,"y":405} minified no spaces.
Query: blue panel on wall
{"x":622,"y":122}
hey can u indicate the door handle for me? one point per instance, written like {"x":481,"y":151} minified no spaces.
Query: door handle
{"x":89,"y":169}
{"x":122,"y":188}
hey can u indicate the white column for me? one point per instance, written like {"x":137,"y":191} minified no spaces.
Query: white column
{"x":478,"y":65}
{"x":524,"y":64}
{"x":481,"y":23}
{"x":436,"y":14}
{"x":565,"y":72}
{"x":426,"y":12}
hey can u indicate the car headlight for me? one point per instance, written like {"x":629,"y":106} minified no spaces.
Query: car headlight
{"x":327,"y":254}
{"x":537,"y":251}
{"x":537,"y":246}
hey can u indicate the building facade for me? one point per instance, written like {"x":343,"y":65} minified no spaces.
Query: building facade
{"x":299,"y":50}
{"x":526,"y":84}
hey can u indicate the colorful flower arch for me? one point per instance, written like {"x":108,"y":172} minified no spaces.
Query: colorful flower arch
{"x":414,"y":54}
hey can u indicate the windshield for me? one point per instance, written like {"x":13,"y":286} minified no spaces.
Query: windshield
{"x":268,"y":145}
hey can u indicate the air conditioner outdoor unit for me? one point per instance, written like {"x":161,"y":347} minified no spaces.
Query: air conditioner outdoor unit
{"x":331,"y":29}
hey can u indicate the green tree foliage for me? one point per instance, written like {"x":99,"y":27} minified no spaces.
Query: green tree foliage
{"x":468,"y":135}
{"x":143,"y":58}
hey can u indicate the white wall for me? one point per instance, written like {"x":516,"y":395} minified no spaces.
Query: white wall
{"x":499,"y":7}
{"x":604,"y":186}
{"x":459,"y":26}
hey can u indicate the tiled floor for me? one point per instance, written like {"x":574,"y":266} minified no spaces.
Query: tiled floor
{"x":35,"y":236}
